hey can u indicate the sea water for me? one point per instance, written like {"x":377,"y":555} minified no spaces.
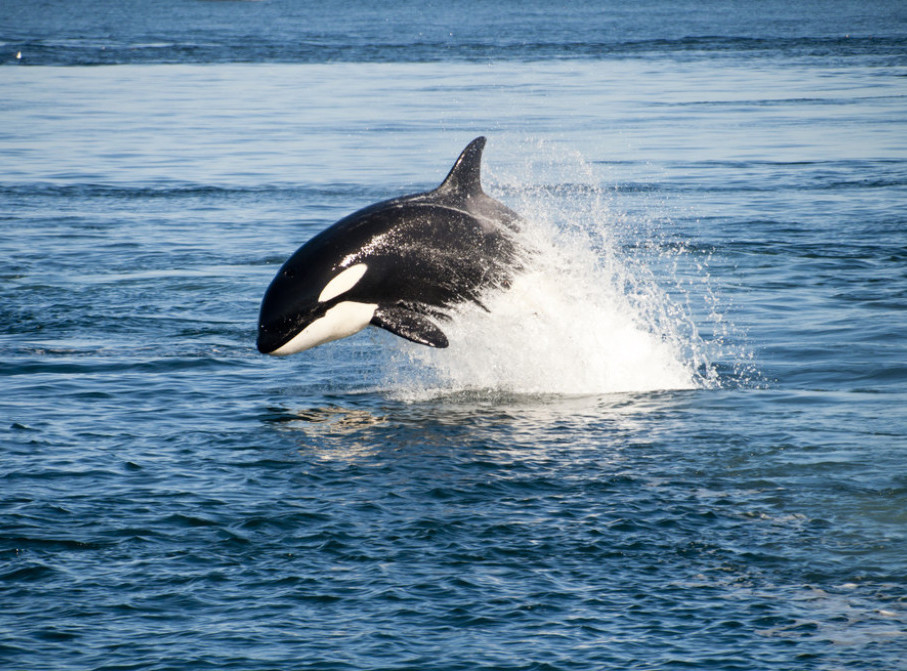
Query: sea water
{"x":678,"y":440}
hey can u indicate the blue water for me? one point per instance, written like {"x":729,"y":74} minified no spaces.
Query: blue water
{"x":678,"y":442}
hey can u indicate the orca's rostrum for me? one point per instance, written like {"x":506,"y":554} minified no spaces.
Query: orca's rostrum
{"x":399,"y":264}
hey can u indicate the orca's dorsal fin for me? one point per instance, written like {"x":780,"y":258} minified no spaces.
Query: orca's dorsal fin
{"x":465,"y":177}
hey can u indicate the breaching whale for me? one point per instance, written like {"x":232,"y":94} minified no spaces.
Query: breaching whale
{"x":400,"y":264}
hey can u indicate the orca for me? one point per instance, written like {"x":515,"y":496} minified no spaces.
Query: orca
{"x":401,"y":265}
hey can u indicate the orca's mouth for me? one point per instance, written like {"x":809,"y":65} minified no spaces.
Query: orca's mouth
{"x":272,"y":339}
{"x":276,"y":329}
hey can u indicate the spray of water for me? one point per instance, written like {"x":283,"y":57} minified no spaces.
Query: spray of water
{"x":591,"y":312}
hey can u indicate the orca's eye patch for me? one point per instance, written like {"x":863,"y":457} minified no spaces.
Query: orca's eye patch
{"x":343,"y":282}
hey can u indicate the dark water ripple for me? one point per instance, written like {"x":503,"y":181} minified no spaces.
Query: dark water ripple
{"x":239,"y":48}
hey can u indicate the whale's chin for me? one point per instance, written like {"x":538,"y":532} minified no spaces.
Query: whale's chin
{"x":342,"y":320}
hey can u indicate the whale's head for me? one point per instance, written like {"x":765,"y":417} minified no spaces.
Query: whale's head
{"x":311,"y":304}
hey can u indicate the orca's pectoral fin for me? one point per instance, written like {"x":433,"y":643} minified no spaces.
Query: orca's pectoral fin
{"x":410,"y":325}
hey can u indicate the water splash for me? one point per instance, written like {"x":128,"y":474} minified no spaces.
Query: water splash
{"x":594,"y":311}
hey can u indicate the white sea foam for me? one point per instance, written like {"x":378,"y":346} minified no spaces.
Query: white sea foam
{"x":587,"y":315}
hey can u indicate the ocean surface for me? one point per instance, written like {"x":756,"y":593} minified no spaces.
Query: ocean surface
{"x":678,"y":441}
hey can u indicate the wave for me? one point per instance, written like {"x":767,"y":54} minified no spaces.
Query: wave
{"x":180,"y":190}
{"x":264,"y":48}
